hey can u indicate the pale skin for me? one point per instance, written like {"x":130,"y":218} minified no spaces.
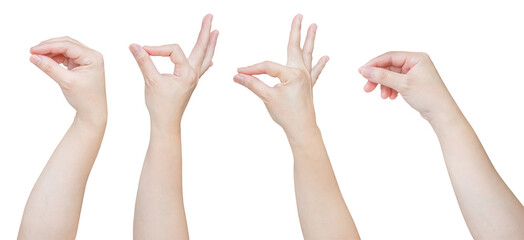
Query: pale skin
{"x":490,"y":209}
{"x":323,"y":214}
{"x":159,"y":209}
{"x":53,"y":208}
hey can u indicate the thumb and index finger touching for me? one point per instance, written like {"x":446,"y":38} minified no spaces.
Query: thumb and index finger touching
{"x":380,"y":69}
{"x":200,"y":58}
{"x":42,"y":57}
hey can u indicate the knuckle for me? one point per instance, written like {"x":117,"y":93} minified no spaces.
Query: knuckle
{"x":66,"y":84}
{"x":98,"y":56}
{"x":141,"y":58}
{"x":296,"y":74}
{"x":405,"y":84}
{"x":265,"y":64}
{"x":380,"y":74}
{"x":307,"y":51}
{"x":191,"y":78}
{"x":192,"y":75}
{"x":390,"y":53}
{"x":176,"y":48}
{"x":46,"y":67}
{"x":264,"y":95}
{"x":423,"y":55}
{"x":248,"y":84}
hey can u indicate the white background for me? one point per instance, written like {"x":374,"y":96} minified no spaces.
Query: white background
{"x":237,"y":163}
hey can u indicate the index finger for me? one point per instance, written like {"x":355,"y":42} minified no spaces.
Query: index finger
{"x":400,"y":60}
{"x":79,"y":54}
{"x":270,"y":68}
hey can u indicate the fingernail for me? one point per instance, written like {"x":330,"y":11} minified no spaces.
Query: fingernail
{"x":365,"y":71}
{"x":240,"y":69}
{"x":239,"y":78}
{"x":314,"y":28}
{"x":134,"y":48}
{"x":327,"y":58}
{"x":300,"y":17}
{"x":35,"y":59}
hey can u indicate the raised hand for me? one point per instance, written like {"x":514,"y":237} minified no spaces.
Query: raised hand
{"x":290,"y":103}
{"x":53,"y":208}
{"x":167,"y":95}
{"x":83,"y":82}
{"x":159,"y":210}
{"x":322,"y":211}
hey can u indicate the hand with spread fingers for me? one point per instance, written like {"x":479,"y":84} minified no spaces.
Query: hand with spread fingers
{"x":53,"y":208}
{"x":290,"y":103}
{"x":159,"y":209}
{"x":167,"y":95}
{"x":322,"y":211}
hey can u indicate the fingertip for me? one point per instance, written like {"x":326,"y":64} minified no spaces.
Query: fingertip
{"x":239,"y":78}
{"x":134,"y":48}
{"x":299,"y":17}
{"x":365,"y":72}
{"x":314,"y":27}
{"x":208,"y":19}
{"x":393,"y":95}
{"x":35,"y":49}
{"x":383,"y":94}
{"x":369,"y":87}
{"x":35,"y":59}
{"x":326,"y":58}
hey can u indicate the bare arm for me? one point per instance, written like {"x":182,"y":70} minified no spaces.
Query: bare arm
{"x":159,"y":210}
{"x":322,"y":211}
{"x":321,"y":207}
{"x":53,"y":208}
{"x":489,"y":207}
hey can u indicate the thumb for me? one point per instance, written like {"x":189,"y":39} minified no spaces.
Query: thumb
{"x":49,"y":67}
{"x":383,"y":76}
{"x":254,"y":84}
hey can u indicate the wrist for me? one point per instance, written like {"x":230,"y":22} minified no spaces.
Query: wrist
{"x":302,"y":135}
{"x":446,"y":119}
{"x":165,"y":128}
{"x":94,"y":121}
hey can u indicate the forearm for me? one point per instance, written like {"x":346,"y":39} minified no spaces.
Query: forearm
{"x":322,"y":211}
{"x":159,"y":211}
{"x":53,"y":208}
{"x":489,"y":207}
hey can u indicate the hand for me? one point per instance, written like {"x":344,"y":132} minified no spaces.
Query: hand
{"x":290,"y":103}
{"x":167,"y":95}
{"x":414,"y":76}
{"x":83,"y":82}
